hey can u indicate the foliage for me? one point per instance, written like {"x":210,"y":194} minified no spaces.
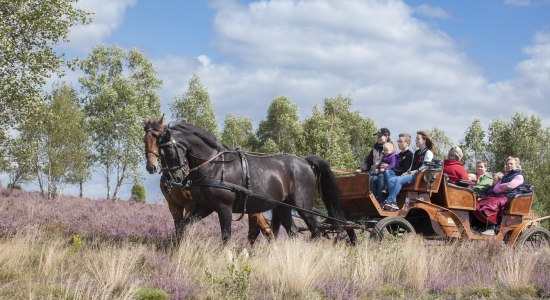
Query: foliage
{"x":235,"y":284}
{"x":359,"y":130}
{"x":522,"y":136}
{"x":282,"y":126}
{"x":29,"y":31}
{"x":442,"y":143}
{"x":473,"y":145}
{"x":194,"y":107}
{"x":138,"y":192}
{"x":326,"y":137}
{"x":238,"y":132}
{"x":19,"y":162}
{"x":152,"y":294}
{"x":58,"y":142}
{"x":120,"y":88}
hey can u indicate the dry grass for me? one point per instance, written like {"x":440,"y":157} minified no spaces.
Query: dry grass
{"x":37,"y":262}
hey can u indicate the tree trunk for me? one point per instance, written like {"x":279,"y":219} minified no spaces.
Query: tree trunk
{"x":80,"y":183}
{"x":108,"y":186}
{"x":120,"y":179}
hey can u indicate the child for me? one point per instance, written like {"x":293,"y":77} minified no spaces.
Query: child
{"x":383,"y":170}
{"x":497,"y":177}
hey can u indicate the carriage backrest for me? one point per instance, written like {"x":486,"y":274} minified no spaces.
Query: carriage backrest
{"x":521,"y":201}
{"x":454,"y":197}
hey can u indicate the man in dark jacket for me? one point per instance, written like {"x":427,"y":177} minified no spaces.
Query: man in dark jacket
{"x":405,"y":156}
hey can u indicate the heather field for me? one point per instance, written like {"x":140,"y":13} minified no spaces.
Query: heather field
{"x":89,"y":249}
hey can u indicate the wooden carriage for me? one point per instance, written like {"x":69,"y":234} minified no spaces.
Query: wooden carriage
{"x":436,"y":209}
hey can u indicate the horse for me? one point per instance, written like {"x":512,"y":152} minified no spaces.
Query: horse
{"x":180,"y":199}
{"x":224,"y":181}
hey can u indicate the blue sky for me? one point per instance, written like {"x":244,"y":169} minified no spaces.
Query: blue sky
{"x":408,"y":64}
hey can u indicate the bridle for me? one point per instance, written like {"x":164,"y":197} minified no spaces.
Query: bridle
{"x":158,"y":135}
{"x":183,"y":163}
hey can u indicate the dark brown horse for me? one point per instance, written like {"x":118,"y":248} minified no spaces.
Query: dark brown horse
{"x":224,"y":181}
{"x":179,"y":199}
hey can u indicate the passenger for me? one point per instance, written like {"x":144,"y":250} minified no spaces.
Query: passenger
{"x":453,"y":167}
{"x":491,"y":205}
{"x":483,"y":180}
{"x":383,"y":170}
{"x":375,"y":155}
{"x":404,"y":161}
{"x":424,"y":153}
{"x":496,"y":178}
{"x":405,"y":156}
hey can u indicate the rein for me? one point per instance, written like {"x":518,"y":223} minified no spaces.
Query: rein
{"x":207,"y":182}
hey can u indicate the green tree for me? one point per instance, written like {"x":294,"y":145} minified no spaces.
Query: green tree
{"x":282,"y":126}
{"x":29,"y":31}
{"x":524,"y":137}
{"x":238,"y":132}
{"x":473,"y":145}
{"x":358,"y":129}
{"x":138,"y":192}
{"x":442,"y":141}
{"x":194,"y":107}
{"x":19,"y":162}
{"x":120,"y":88}
{"x":325,"y":136}
{"x":59,"y":142}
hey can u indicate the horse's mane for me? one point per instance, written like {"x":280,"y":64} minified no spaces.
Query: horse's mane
{"x":204,"y":135}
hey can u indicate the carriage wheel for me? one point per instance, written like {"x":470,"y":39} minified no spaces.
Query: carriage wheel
{"x":534,"y":238}
{"x":392,"y":227}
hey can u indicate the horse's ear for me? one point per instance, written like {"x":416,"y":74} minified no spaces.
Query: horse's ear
{"x":146,"y":120}
{"x":161,"y":121}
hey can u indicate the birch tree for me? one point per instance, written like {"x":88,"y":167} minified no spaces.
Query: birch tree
{"x":120,"y":88}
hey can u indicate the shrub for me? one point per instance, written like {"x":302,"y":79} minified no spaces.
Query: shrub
{"x":152,"y":294}
{"x":14,"y":186}
{"x":138,"y":193}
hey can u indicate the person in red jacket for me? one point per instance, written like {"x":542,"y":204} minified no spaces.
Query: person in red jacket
{"x":453,"y":167}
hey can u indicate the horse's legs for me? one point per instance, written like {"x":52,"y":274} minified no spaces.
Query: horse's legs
{"x":253,"y":228}
{"x":225,"y":215}
{"x":177,"y":214}
{"x":311,"y":223}
{"x":283,"y":216}
{"x":257,"y":222}
{"x":197,"y":213}
{"x":275,"y":223}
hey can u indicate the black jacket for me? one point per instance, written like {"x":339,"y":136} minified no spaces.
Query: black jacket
{"x":369,"y":161}
{"x":404,"y":162}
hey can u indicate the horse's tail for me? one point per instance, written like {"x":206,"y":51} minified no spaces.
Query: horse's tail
{"x":330,"y":194}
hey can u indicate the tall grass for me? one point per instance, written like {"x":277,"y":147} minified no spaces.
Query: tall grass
{"x":78,"y":258}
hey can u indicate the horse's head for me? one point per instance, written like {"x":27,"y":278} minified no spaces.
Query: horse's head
{"x":154,"y":130}
{"x":185,"y":148}
{"x":173,"y":153}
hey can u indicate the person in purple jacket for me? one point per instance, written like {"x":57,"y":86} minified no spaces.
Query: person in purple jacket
{"x":386,"y":165}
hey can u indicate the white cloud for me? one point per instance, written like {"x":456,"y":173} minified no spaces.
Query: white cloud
{"x":395,"y":67}
{"x":529,"y":90}
{"x":107,"y":16}
{"x":431,"y":11}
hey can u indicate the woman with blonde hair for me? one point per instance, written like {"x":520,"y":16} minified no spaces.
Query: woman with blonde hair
{"x":490,"y":206}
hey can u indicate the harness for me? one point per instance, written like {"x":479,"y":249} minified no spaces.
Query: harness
{"x":242,"y":191}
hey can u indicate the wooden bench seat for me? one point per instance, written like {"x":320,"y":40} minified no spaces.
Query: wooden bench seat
{"x":521,"y":204}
